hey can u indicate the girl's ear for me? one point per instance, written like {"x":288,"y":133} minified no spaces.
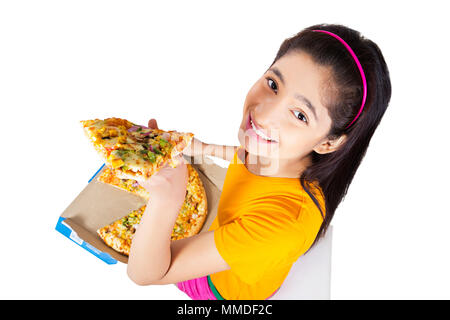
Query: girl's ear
{"x":328,"y":145}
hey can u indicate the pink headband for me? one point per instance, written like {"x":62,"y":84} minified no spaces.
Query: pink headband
{"x":363,"y":77}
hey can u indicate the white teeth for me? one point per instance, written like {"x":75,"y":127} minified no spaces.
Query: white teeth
{"x":259,"y":133}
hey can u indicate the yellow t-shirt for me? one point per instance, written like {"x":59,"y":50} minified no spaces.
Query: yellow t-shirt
{"x":263,"y":225}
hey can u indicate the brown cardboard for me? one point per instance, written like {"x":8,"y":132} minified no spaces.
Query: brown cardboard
{"x":99,"y":204}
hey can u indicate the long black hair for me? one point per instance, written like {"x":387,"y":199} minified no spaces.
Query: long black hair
{"x":335,"y":171}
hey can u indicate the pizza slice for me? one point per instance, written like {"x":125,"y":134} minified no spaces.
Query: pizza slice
{"x":118,"y":235}
{"x":133,"y":151}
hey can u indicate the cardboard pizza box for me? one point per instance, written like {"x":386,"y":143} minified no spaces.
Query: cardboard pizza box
{"x":99,"y":204}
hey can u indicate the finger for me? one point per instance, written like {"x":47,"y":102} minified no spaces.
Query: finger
{"x":152,"y":124}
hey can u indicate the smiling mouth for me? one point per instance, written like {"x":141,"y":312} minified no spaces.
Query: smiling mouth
{"x":259,"y":132}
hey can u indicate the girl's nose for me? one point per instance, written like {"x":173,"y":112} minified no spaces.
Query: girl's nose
{"x":268,"y":116}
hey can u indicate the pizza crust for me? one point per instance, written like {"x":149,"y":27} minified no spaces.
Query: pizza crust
{"x":202,"y":208}
{"x":111,"y":240}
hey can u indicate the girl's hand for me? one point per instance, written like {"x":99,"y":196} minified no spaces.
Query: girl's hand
{"x":168,"y":183}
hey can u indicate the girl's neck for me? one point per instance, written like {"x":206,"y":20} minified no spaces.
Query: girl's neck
{"x":282,"y":168}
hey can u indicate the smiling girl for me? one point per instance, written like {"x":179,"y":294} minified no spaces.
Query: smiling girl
{"x":306,"y":126}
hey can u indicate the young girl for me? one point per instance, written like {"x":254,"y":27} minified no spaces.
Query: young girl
{"x":307,"y":123}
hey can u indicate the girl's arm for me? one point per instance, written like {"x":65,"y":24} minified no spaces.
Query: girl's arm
{"x":193,"y":257}
{"x":220,"y":151}
{"x":199,"y":148}
{"x":154,"y":258}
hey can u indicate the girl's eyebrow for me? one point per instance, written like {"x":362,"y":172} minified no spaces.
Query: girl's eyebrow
{"x":298,"y":96}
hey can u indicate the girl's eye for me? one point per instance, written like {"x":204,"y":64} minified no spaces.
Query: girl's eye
{"x":272,"y":85}
{"x":301,"y":116}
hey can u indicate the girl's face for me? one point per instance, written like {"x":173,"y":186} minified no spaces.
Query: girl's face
{"x":285,"y":105}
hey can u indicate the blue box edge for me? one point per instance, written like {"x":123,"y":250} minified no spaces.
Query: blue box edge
{"x":66,"y":231}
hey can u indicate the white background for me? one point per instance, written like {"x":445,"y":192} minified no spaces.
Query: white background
{"x":190,"y":64}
